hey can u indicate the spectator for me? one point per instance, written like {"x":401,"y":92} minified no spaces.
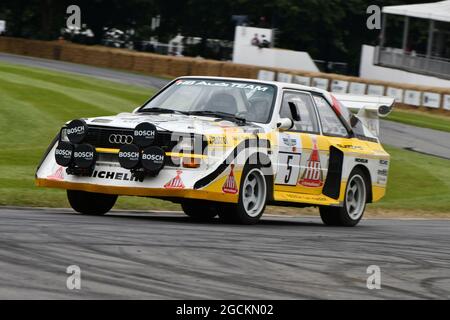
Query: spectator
{"x":264,"y":43}
{"x":255,"y":41}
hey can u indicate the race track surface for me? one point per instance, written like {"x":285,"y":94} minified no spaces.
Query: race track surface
{"x":423,"y":140}
{"x":166,"y":256}
{"x":81,"y":69}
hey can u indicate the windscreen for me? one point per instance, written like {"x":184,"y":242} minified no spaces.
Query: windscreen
{"x":250,"y":101}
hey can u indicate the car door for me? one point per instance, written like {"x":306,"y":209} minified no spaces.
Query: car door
{"x":334,"y":133}
{"x":302,"y":152}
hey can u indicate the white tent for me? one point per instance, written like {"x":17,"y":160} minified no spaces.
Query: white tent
{"x":438,"y":11}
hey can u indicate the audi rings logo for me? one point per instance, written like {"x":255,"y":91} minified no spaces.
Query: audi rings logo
{"x":120,"y":139}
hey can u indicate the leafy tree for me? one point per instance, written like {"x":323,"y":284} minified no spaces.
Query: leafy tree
{"x":330,"y":30}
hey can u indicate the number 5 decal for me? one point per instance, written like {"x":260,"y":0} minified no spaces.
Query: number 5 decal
{"x":288,"y":169}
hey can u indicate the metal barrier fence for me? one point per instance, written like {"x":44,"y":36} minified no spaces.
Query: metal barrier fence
{"x":417,"y":63}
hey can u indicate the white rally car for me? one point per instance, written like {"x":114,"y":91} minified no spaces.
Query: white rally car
{"x":227,"y":147}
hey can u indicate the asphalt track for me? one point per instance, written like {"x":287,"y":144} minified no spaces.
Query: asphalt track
{"x":400,"y":135}
{"x":166,"y":256}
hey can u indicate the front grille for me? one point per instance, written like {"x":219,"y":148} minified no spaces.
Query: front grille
{"x":99,"y":137}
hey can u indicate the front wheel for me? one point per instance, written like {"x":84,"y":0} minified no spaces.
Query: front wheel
{"x":91,"y":203}
{"x":252,"y":198}
{"x":355,"y":200}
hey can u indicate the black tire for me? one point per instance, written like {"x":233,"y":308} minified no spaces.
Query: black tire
{"x":199,"y":210}
{"x":344,"y":216}
{"x":90,"y":203}
{"x":238,"y":213}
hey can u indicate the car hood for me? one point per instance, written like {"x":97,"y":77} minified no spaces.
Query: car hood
{"x":174,"y":123}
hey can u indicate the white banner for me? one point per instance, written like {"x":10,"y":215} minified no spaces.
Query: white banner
{"x":304,"y":81}
{"x":320,"y":83}
{"x":412,"y":97}
{"x":357,"y":88}
{"x":339,"y":86}
{"x":395,"y":93}
{"x":431,"y":100}
{"x":375,"y":90}
{"x":266,"y":75}
{"x":284,"y":77}
{"x":447,"y":102}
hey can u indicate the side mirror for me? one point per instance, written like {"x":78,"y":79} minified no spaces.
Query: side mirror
{"x":285,"y":124}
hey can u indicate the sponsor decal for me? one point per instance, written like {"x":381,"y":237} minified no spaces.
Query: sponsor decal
{"x":111,"y":175}
{"x":217,"y":140}
{"x":312,"y":177}
{"x":348,"y":146}
{"x":289,"y":143}
{"x":384,"y":162}
{"x":57,"y":175}
{"x":222,"y":84}
{"x":175,"y":183}
{"x":383,"y":172}
{"x":359,"y":160}
{"x":381,"y":180}
{"x":230,"y":184}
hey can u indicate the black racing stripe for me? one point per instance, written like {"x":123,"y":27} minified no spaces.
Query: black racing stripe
{"x":224,"y":165}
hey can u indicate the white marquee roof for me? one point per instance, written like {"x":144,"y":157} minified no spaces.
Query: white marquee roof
{"x":439,"y":11}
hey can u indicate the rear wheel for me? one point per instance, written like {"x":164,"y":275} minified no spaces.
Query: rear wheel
{"x":199,"y":210}
{"x":252,"y":198}
{"x":91,"y":203}
{"x":355,"y":200}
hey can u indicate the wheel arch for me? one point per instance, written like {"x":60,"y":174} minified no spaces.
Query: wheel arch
{"x":368,"y":179}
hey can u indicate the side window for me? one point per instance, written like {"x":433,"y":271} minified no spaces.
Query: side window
{"x":305,"y":107}
{"x":331,"y":125}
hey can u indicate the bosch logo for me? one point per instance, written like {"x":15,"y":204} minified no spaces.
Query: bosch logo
{"x":144,"y":133}
{"x":132,"y":155}
{"x":82,"y":154}
{"x":120,"y":139}
{"x":75,"y":130}
{"x":62,"y":152}
{"x":153,"y":157}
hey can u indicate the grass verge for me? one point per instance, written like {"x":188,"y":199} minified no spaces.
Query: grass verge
{"x":421,"y":119}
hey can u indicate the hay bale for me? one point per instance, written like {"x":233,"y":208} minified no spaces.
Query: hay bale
{"x":202,"y":67}
{"x":121,"y":59}
{"x":180,"y":66}
{"x":3,"y":43}
{"x":16,"y":46}
{"x":235,"y":70}
{"x":142,"y":62}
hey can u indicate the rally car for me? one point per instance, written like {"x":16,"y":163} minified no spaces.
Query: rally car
{"x":228,"y":147}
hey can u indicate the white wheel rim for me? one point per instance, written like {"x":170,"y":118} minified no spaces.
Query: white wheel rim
{"x":254,"y":192}
{"x":355,"y":197}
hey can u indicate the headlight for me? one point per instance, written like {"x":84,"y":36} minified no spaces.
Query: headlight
{"x":64,"y":136}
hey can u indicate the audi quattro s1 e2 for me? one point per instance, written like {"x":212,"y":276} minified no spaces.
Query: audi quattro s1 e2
{"x":227,"y":147}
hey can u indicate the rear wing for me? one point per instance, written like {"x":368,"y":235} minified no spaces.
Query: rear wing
{"x":368,"y":109}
